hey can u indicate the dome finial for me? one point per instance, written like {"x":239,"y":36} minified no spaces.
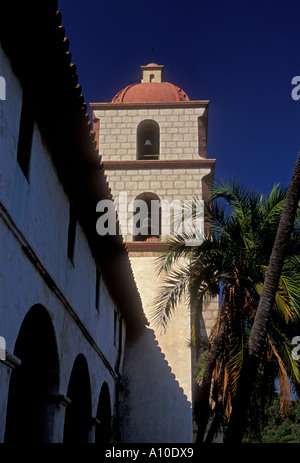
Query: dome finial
{"x":152,"y":73}
{"x":151,"y":89}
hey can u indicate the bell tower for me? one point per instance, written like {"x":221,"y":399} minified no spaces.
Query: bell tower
{"x":152,"y":141}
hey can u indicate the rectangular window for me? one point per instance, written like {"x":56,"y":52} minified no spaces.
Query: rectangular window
{"x":71,"y":234}
{"x":25,"y":136}
{"x":98,"y":276}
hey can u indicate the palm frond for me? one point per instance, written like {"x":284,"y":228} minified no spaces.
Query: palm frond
{"x":283,"y":380}
{"x":273,"y":205}
{"x":175,"y":249}
{"x":234,"y":366}
{"x":285,"y":347}
{"x":171,"y":291}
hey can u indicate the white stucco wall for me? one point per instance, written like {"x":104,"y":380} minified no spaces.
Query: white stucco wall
{"x":40,"y":211}
{"x":34,"y":221}
{"x":154,"y":407}
{"x":174,"y":341}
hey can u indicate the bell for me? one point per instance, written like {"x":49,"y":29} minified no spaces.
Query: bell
{"x":148,"y":143}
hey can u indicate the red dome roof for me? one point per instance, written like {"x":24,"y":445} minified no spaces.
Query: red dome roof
{"x":150,"y":92}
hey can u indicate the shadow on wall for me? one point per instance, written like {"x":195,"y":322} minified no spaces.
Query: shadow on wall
{"x":154,"y":408}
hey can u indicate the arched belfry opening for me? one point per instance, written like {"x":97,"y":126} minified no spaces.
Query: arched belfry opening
{"x":147,"y":217}
{"x":104,"y":429}
{"x":148,"y":140}
{"x":30,"y":410}
{"x":78,"y":414}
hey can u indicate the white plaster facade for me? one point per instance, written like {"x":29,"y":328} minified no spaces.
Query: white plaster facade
{"x":64,"y":378}
{"x":35,"y":269}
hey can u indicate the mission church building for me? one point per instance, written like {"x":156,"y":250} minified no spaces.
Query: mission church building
{"x":81,"y":362}
{"x":152,"y":139}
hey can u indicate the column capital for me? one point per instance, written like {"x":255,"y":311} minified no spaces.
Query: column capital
{"x":58,"y":399}
{"x":95,"y":421}
{"x":11,"y":361}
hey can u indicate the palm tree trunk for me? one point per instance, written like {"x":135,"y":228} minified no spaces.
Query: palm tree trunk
{"x":260,"y":325}
{"x":202,"y":408}
{"x":215,"y":426}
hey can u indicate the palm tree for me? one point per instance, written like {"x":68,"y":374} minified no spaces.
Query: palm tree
{"x":231,"y":261}
{"x":264,"y":311}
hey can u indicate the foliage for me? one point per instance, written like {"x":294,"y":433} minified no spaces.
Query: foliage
{"x":231,"y":261}
{"x":276,"y":428}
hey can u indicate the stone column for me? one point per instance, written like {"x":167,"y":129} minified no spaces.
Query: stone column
{"x":92,"y":434}
{"x":59,"y":403}
{"x":7,"y":363}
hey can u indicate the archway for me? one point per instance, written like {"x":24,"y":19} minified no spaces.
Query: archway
{"x":147,"y":217}
{"x":148,"y":140}
{"x":78,"y":413}
{"x":104,"y":430}
{"x":30,"y":411}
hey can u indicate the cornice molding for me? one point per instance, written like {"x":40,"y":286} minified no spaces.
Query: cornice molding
{"x":163,"y":164}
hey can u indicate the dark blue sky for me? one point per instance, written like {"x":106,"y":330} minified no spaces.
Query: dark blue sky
{"x":239,"y":55}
